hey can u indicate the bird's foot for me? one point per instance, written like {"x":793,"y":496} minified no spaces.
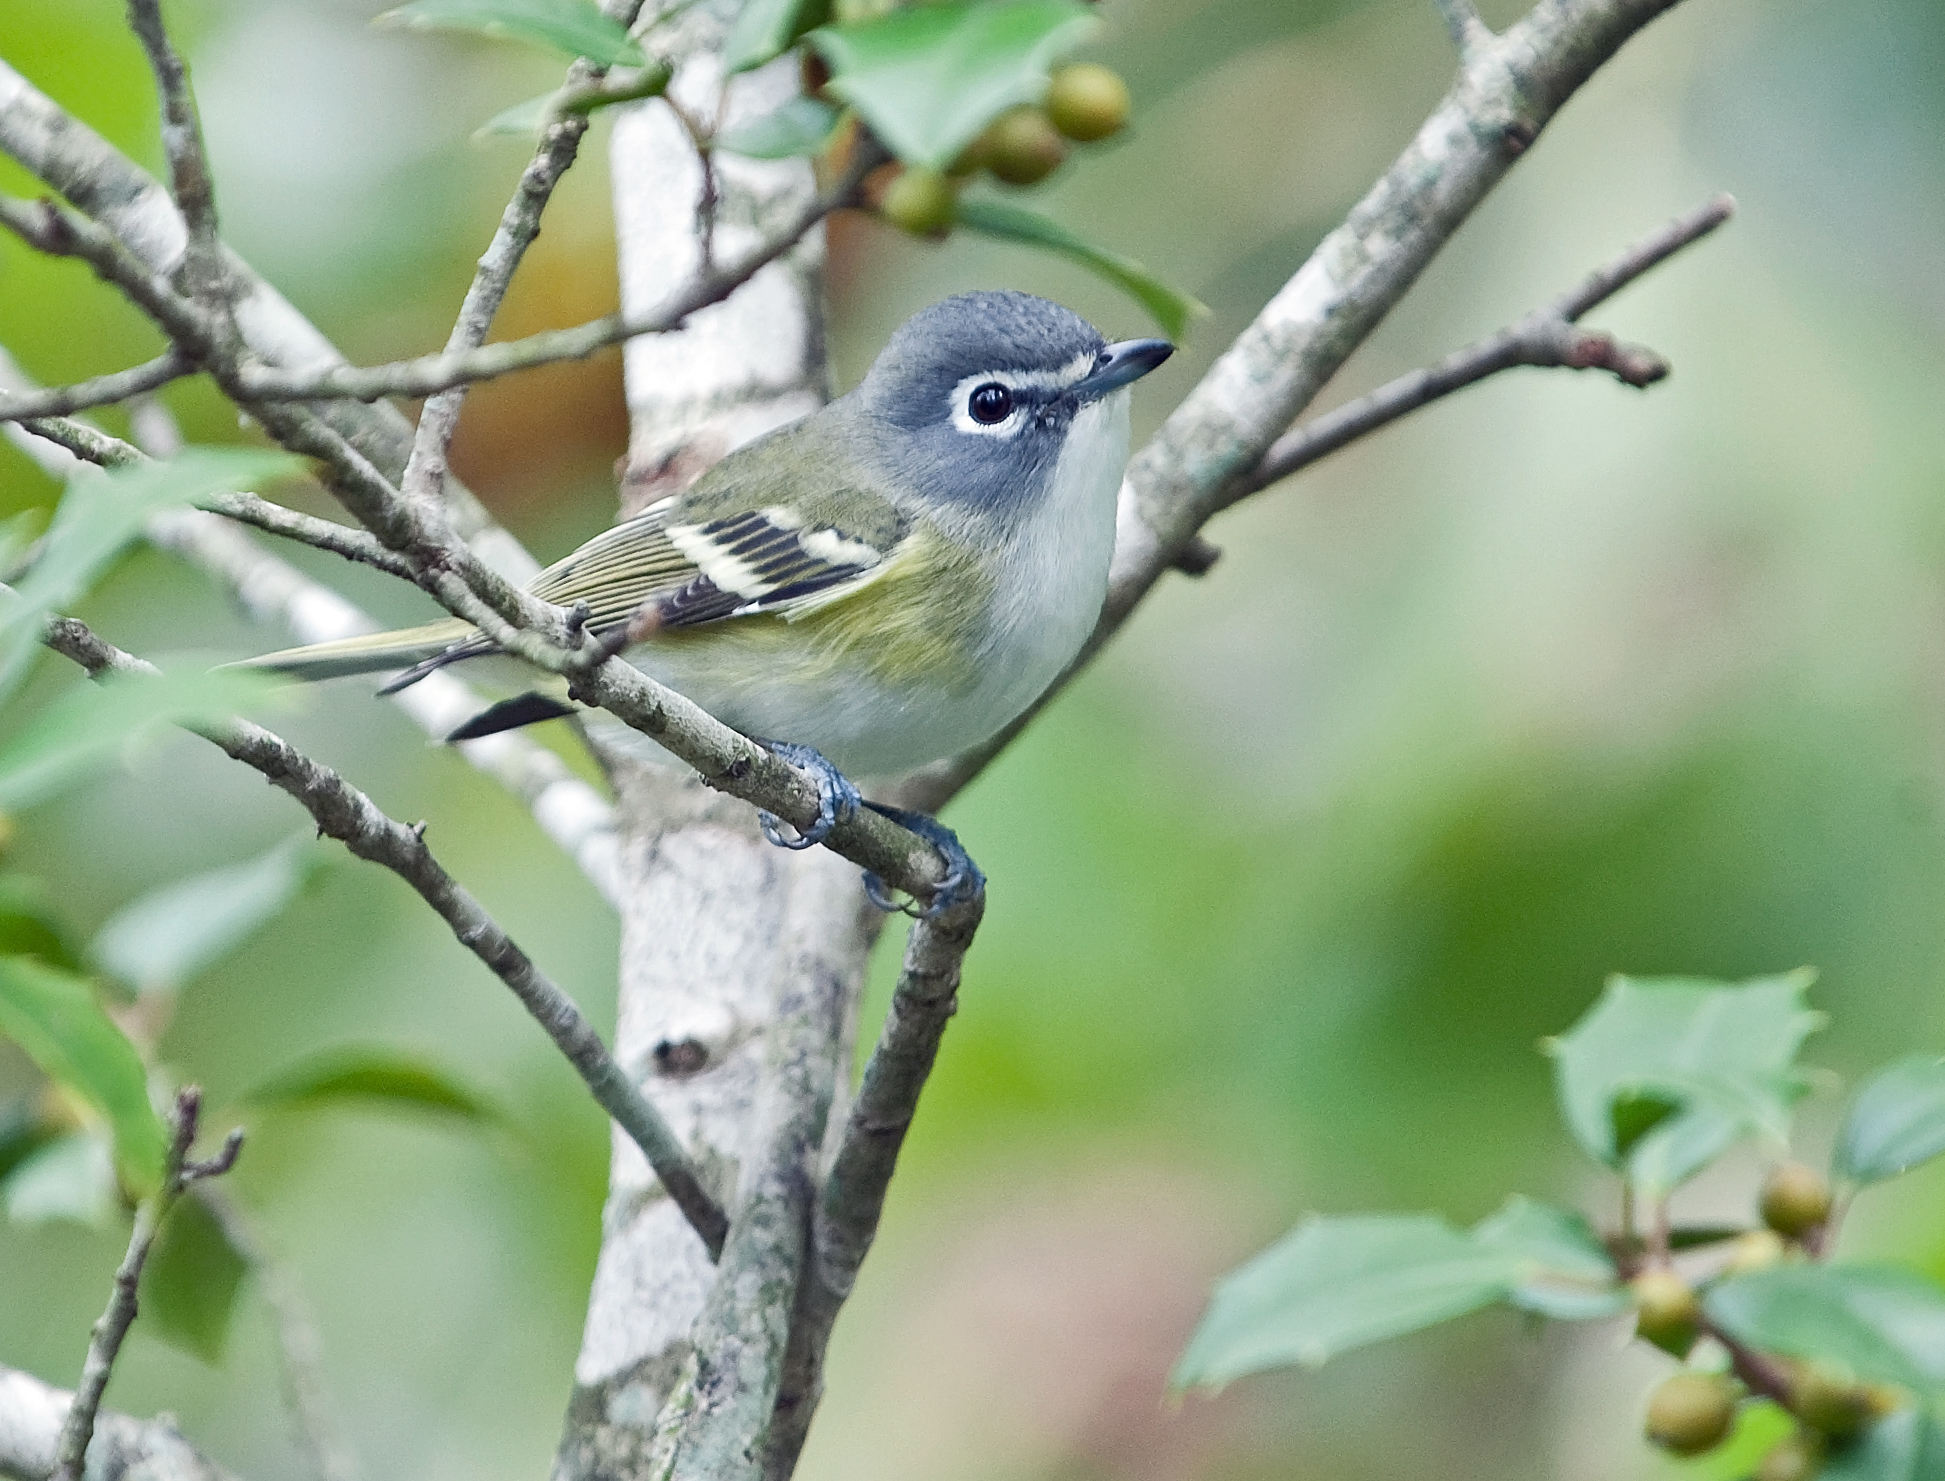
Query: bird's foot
{"x":837,"y":799}
{"x":963,"y":881}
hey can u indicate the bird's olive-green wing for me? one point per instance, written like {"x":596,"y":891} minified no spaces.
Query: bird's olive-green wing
{"x":758,"y":533}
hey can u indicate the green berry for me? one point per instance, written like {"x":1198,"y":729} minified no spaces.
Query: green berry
{"x":1797,"y":1457}
{"x":1758,"y":1249}
{"x":919,"y":200}
{"x":1022,"y":147}
{"x":1830,"y":1403}
{"x":1088,"y":101}
{"x":1691,"y":1412}
{"x":1666,"y":1311}
{"x":1795,"y":1200}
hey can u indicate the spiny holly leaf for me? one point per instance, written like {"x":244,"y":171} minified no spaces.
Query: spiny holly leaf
{"x":100,"y":514}
{"x":765,"y":29}
{"x":90,"y":725}
{"x":1335,"y":1284}
{"x":55,"y":1018}
{"x":1172,"y":310}
{"x":1896,"y":1121}
{"x":928,"y":79}
{"x":190,"y":1283}
{"x":1879,"y":1322}
{"x":573,"y":28}
{"x":374,"y":1074}
{"x":1907,"y":1445}
{"x":800,"y":127}
{"x":1663,"y":1075}
{"x":1567,"y":1272}
{"x":71,"y":1177}
{"x":170,"y":935}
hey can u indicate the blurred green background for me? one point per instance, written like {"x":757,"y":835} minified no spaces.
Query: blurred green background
{"x":1553,"y":680}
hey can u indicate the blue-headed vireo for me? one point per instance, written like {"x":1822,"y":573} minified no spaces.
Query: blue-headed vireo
{"x":886,"y":582}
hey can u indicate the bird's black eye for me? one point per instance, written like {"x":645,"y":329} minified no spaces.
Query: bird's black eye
{"x":990,"y":403}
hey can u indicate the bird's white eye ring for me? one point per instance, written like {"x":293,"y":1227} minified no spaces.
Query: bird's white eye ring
{"x":990,"y":403}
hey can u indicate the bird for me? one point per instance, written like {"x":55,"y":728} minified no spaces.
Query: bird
{"x":886,"y":582}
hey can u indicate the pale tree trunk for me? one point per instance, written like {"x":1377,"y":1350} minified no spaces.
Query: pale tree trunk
{"x":740,"y":962}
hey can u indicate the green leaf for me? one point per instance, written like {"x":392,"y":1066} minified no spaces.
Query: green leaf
{"x":1722,"y":1053}
{"x":928,"y":79}
{"x":170,"y":935}
{"x":55,"y":1018}
{"x":1334,"y":1284}
{"x":801,"y":126}
{"x":765,"y":29}
{"x":72,"y":1177}
{"x":29,"y":926}
{"x":1172,"y":310}
{"x":100,"y":514}
{"x":393,"y":1077}
{"x":1896,"y":1121}
{"x":1877,"y":1321}
{"x":190,"y":1283}
{"x":90,"y":725}
{"x":1907,"y":1445}
{"x":1566,"y":1272}
{"x":574,"y":28}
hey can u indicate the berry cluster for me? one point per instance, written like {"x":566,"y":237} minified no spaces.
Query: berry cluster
{"x":1085,"y":103}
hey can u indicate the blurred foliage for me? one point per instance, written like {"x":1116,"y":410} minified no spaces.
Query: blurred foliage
{"x":1551,"y":681}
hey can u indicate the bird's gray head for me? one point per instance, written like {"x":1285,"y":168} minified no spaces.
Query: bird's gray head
{"x":977,"y":394}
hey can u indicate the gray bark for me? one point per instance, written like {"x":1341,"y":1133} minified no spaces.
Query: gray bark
{"x":740,"y":963}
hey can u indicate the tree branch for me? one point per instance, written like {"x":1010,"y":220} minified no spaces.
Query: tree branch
{"x":105,"y":1342}
{"x":104,"y":451}
{"x":202,"y":274}
{"x":31,"y":1415}
{"x":432,"y":373}
{"x":346,"y":814}
{"x":61,"y":150}
{"x":102,"y":390}
{"x":1463,"y":21}
{"x":1549,"y":337}
{"x":852,"y":1198}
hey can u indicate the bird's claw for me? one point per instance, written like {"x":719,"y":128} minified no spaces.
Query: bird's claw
{"x":837,"y":799}
{"x":964,"y":880}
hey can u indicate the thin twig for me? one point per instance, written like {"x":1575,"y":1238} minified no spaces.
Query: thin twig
{"x":348,"y":815}
{"x":101,"y":390}
{"x":426,"y":468}
{"x":1549,"y":337}
{"x":105,"y":1342}
{"x":203,"y":275}
{"x":853,"y":1196}
{"x":431,"y":373}
{"x":72,"y":159}
{"x":245,"y":508}
{"x":708,"y":195}
{"x":1463,"y":21}
{"x":299,"y":1348}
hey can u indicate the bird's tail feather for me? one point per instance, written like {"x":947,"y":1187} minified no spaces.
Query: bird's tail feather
{"x":367,"y":654}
